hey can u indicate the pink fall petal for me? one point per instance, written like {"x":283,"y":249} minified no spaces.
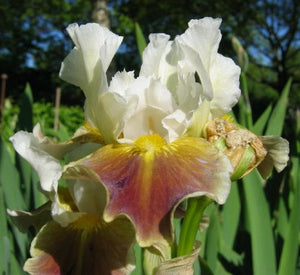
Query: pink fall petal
{"x":148,"y":179}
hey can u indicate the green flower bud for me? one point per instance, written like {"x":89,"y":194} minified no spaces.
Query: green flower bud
{"x":244,"y":149}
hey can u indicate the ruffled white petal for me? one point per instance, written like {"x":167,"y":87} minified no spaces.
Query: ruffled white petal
{"x":46,"y":166}
{"x":204,"y":36}
{"x":145,"y":122}
{"x":73,"y":70}
{"x":87,"y":63}
{"x":57,"y":150}
{"x":175,"y":124}
{"x":188,"y":93}
{"x":153,"y":55}
{"x":121,"y":82}
{"x":225,"y":77}
{"x":109,"y":114}
{"x":137,"y":90}
{"x":154,"y":102}
{"x":167,"y":82}
{"x":200,"y":43}
{"x":95,"y":47}
{"x":158,"y":96}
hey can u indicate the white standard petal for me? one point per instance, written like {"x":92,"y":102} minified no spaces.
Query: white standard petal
{"x":137,"y":89}
{"x":154,"y":103}
{"x":87,"y":63}
{"x":158,"y":96}
{"x":203,"y":36}
{"x":200,"y":43}
{"x":224,"y":75}
{"x":46,"y":166}
{"x":112,"y":110}
{"x":187,"y":93}
{"x":160,"y":59}
{"x":175,"y":124}
{"x":145,"y":122}
{"x":120,"y":82}
{"x":153,"y":54}
{"x":95,"y":42}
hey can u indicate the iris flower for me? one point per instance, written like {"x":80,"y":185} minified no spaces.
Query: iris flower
{"x":142,"y":151}
{"x":148,"y":164}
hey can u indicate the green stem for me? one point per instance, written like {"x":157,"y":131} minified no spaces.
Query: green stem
{"x":190,"y":225}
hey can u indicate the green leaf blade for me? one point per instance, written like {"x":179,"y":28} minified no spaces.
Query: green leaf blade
{"x":276,"y":121}
{"x":261,"y":122}
{"x":262,"y":241}
{"x":140,"y":39}
{"x":288,"y":260}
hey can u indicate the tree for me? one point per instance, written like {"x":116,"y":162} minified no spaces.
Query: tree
{"x":33,"y":41}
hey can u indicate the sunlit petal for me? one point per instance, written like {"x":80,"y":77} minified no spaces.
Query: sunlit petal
{"x":187,"y":93}
{"x":154,"y":55}
{"x":57,"y":150}
{"x":87,"y":63}
{"x":86,"y":67}
{"x":157,"y":96}
{"x":109,"y":114}
{"x":47,"y":167}
{"x":120,"y":82}
{"x":224,"y":76}
{"x":200,"y":43}
{"x":146,"y":121}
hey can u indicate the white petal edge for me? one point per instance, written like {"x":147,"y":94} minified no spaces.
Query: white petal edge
{"x":224,"y":75}
{"x":153,"y":54}
{"x":87,"y":63}
{"x":200,"y":44}
{"x":277,"y":156}
{"x":47,"y":167}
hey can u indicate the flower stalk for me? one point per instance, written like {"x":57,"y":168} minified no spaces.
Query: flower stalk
{"x":190,"y":225}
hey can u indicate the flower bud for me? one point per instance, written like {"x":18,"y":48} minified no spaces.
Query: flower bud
{"x":242,"y":56}
{"x":244,"y":149}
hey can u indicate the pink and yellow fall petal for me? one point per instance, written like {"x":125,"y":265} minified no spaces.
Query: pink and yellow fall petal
{"x":86,"y":246}
{"x":148,"y":179}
